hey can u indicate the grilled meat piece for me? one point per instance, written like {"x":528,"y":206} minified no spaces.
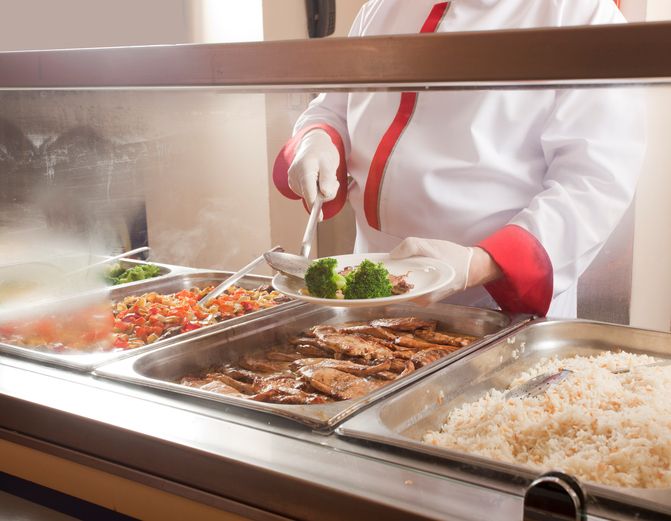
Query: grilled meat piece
{"x":297,"y":398}
{"x":427,"y":356}
{"x":416,"y":343}
{"x":404,"y":354}
{"x":242,"y":375}
{"x":355,"y":346}
{"x":287,"y":384}
{"x":239,"y":386}
{"x":445,"y":339}
{"x":399,"y":284}
{"x":409,"y":368}
{"x":312,"y":351}
{"x":323,"y":329}
{"x":304,"y":341}
{"x":397,"y":365}
{"x":214,"y":386}
{"x":259,"y":364}
{"x":345,"y":366}
{"x":282,"y":356}
{"x":404,"y":323}
{"x":385,"y":375}
{"x":342,"y":386}
{"x":367,"y":329}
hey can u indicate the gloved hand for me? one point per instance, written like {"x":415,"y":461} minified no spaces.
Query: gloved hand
{"x":314,"y":166}
{"x":458,"y":256}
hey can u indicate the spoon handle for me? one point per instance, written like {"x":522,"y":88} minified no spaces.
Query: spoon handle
{"x":306,"y":245}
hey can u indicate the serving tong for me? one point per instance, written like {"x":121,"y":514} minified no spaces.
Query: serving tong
{"x":541,"y":383}
{"x":221,"y":288}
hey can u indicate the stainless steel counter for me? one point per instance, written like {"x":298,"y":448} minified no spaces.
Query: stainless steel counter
{"x":238,"y":460}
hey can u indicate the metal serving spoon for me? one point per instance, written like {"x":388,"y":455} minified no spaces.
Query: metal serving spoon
{"x":541,"y":383}
{"x":297,"y":265}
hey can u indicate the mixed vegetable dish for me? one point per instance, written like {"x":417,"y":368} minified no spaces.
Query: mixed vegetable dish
{"x":134,"y":321}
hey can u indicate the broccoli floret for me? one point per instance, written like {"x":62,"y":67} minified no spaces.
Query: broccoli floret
{"x":368,"y":280}
{"x":322,"y":279}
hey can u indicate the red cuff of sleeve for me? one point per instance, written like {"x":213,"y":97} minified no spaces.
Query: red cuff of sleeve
{"x":286,"y":156}
{"x":527,"y":283}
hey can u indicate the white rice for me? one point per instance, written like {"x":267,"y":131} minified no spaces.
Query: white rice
{"x":596,"y":425}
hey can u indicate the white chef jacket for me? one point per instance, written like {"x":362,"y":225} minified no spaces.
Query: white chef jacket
{"x":559,"y":166}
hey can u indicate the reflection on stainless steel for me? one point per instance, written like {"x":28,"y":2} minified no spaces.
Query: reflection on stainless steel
{"x":403,"y":420}
{"x":168,"y":284}
{"x":163,"y":368}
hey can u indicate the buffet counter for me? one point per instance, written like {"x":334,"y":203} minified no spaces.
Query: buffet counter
{"x":237,"y":461}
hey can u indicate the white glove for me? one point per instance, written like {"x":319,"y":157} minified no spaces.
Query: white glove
{"x":458,"y":256}
{"x":315,"y":165}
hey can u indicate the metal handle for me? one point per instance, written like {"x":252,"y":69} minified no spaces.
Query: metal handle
{"x":555,"y":496}
{"x":306,"y":245}
{"x":234,"y":278}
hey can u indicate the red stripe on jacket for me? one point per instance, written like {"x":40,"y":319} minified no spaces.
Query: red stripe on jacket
{"x":288,"y":152}
{"x":378,"y":165}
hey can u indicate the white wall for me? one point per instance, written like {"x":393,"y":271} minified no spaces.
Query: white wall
{"x":651,"y":284}
{"x":208,"y":199}
{"x":46,"y":24}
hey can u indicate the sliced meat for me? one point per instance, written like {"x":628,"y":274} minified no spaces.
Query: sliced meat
{"x":260,"y":364}
{"x":345,"y":366}
{"x":242,"y":375}
{"x":385,"y":375}
{"x":398,"y":365}
{"x":240,"y":386}
{"x":367,"y":329}
{"x":312,"y":351}
{"x":387,"y":344}
{"x":355,"y":346}
{"x":445,"y":339}
{"x":324,"y":329}
{"x":214,"y":386}
{"x":406,"y":368}
{"x":282,"y":356}
{"x":417,"y":343}
{"x":273,"y":395}
{"x":286,"y":384}
{"x":409,"y":368}
{"x":338,"y":384}
{"x":220,"y":387}
{"x":427,"y":356}
{"x":304,"y":341}
{"x":404,"y":354}
{"x":404,"y":323}
{"x":399,"y":284}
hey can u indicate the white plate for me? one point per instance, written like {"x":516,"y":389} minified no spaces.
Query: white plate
{"x":425,"y":274}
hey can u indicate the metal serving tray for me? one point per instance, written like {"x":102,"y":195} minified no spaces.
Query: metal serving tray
{"x":402,"y":420}
{"x":163,"y":368}
{"x":164,"y":270}
{"x":167,"y":284}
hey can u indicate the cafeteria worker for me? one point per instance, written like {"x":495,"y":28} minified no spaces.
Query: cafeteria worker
{"x":517,"y":190}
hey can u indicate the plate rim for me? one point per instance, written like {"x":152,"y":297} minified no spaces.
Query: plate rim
{"x":381,"y":301}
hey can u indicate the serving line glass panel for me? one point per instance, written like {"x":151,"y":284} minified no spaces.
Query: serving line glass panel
{"x":193,"y":156}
